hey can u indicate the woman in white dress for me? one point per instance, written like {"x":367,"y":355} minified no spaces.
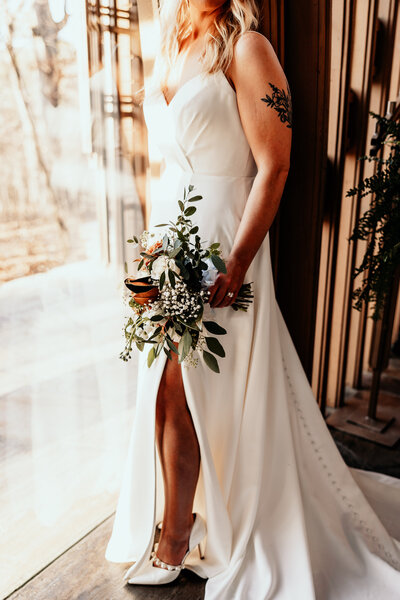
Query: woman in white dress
{"x":241,"y":461}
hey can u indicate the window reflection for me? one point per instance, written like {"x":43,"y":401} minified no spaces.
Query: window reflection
{"x":72,"y":169}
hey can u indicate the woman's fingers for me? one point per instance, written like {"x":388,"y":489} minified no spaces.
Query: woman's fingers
{"x":212,"y":291}
{"x":225,"y":283}
{"x":216,"y":293}
{"x":228,"y":300}
{"x":219,"y":293}
{"x":220,"y":297}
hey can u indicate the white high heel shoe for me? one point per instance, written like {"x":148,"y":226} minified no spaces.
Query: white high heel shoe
{"x":157,"y":572}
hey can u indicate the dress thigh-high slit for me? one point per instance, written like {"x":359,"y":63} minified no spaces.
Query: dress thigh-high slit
{"x":135,"y":521}
{"x":179,"y":454}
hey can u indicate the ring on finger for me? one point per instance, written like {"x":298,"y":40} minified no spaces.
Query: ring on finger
{"x":230,"y":294}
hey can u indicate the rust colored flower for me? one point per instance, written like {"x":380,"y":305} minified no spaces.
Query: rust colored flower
{"x":154,"y":247}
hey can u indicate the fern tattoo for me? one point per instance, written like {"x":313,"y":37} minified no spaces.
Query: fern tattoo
{"x":281,"y":101}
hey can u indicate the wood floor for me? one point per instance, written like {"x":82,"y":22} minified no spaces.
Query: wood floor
{"x":82,"y":573}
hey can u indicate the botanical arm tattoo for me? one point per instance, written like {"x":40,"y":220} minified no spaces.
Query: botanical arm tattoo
{"x":281,"y":101}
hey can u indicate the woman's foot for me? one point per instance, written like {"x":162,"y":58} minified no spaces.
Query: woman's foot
{"x":173,"y":546}
{"x":158,"y":572}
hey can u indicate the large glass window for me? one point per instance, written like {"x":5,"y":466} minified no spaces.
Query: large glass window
{"x":72,"y":172}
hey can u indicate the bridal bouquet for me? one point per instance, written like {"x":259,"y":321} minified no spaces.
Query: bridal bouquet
{"x":168,"y":299}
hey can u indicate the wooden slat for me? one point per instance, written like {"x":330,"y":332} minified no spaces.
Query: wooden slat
{"x":342,"y":35}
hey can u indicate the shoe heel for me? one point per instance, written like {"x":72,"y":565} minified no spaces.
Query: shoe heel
{"x":201,"y":551}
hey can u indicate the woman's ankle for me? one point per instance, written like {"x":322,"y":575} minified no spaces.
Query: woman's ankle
{"x":175,"y":538}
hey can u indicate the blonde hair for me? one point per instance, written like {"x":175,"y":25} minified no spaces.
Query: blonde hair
{"x":238,"y":17}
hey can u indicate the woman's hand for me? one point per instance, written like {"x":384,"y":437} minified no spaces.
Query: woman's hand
{"x":231,"y":281}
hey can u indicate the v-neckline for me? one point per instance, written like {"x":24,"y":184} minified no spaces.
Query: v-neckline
{"x":168,"y":104}
{"x":182,"y":87}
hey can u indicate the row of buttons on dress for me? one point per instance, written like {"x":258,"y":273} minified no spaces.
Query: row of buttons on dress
{"x":368,"y":531}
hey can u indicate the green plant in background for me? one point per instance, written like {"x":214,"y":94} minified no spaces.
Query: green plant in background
{"x":379,"y":226}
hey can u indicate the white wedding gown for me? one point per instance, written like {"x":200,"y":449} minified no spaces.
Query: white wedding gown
{"x":286,"y":518}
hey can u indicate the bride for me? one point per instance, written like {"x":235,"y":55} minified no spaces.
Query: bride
{"x":240,"y":463}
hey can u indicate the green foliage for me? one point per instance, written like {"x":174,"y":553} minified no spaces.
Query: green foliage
{"x":181,"y":246}
{"x":211,"y":361}
{"x":379,"y":226}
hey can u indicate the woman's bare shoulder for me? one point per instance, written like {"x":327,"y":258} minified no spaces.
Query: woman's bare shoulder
{"x":263,"y":96}
{"x":254,"y":56}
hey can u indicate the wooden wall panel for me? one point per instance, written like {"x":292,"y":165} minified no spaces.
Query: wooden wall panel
{"x":342,"y":34}
{"x":363,"y":56}
{"x":360,"y":84}
{"x":307,"y":60}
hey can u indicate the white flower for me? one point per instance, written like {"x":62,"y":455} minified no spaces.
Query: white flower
{"x":190,"y":360}
{"x":143,"y":238}
{"x":209,"y":275}
{"x":175,"y":336}
{"x":150,"y":237}
{"x":161,"y":264}
{"x":149,"y":327}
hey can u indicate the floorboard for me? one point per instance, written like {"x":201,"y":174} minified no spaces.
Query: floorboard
{"x":83,"y":573}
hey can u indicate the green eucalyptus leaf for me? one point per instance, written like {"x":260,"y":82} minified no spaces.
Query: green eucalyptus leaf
{"x":171,"y":277}
{"x":218,"y":263}
{"x":151,"y":356}
{"x":184,"y":345}
{"x":211,"y":361}
{"x":174,"y":252}
{"x":215,"y":346}
{"x":190,"y":211}
{"x":162,"y":280}
{"x":172,"y":346}
{"x":154,"y":334}
{"x":168,"y":353}
{"x":214,"y":328}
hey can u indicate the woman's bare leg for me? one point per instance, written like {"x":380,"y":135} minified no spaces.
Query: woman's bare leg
{"x":180,"y":460}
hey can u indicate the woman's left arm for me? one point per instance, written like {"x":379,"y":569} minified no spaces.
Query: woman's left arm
{"x":265,"y":108}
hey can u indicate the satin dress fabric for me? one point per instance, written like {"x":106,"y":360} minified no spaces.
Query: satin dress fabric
{"x":286,"y":518}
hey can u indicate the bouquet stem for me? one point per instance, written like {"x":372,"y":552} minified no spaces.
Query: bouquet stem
{"x":244,"y":297}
